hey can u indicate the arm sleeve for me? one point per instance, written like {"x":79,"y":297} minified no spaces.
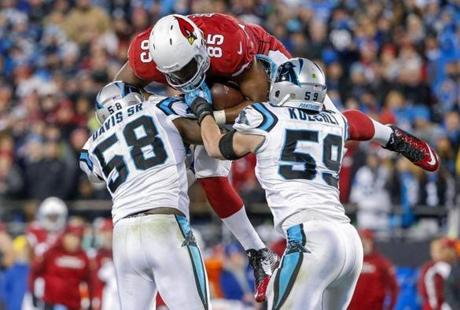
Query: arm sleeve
{"x":140,"y":60}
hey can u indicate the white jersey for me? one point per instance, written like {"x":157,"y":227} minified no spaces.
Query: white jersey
{"x":139,"y":153}
{"x":299,"y":161}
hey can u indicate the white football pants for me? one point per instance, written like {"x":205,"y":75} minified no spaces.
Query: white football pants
{"x":158,"y":253}
{"x":319,"y":268}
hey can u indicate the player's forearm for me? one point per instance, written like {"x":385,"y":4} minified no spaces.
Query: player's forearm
{"x":211,"y":135}
{"x":232,"y":113}
{"x":127,"y":75}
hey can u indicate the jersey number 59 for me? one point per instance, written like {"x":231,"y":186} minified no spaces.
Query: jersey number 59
{"x":309,"y":172}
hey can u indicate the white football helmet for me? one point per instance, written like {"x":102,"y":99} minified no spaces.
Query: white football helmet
{"x":178,"y":48}
{"x":299,"y":83}
{"x":52,"y":214}
{"x":115,"y":96}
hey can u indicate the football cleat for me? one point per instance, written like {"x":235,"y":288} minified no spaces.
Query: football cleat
{"x":263,"y":262}
{"x":413,"y":148}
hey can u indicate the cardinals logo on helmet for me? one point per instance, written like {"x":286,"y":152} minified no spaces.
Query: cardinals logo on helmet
{"x":187,"y":30}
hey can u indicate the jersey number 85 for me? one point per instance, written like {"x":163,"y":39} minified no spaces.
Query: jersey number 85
{"x":213,"y":41}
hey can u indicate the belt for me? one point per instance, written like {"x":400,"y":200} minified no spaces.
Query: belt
{"x":161,"y":210}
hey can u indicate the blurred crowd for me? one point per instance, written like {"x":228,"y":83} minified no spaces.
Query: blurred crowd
{"x":398,"y":61}
{"x":65,"y":262}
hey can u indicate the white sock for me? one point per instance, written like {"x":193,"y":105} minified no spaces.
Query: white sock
{"x":242,"y":229}
{"x":382,"y":133}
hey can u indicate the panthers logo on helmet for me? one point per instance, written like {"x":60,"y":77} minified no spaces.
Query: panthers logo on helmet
{"x":187,"y":30}
{"x":286,"y":72}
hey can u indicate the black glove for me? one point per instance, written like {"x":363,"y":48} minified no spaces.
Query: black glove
{"x":201,"y":108}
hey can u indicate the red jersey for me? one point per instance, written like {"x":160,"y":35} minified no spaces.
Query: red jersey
{"x":431,"y":284}
{"x":377,"y":280}
{"x":63,"y":273}
{"x":231,"y":46}
{"x":39,"y":240}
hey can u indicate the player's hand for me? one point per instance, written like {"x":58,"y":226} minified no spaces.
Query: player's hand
{"x":203,"y":91}
{"x":201,"y":108}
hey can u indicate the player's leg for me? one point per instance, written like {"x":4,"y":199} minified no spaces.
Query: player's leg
{"x":225,"y":201}
{"x":136,"y":289}
{"x":312,"y":261}
{"x":362,"y":127}
{"x":338,"y":295}
{"x":178,"y":266}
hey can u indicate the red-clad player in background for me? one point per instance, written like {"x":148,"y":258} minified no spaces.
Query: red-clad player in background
{"x":103,"y":279}
{"x":41,"y":235}
{"x":64,"y":268}
{"x":189,"y":51}
{"x":377,"y":281}
{"x":434,"y":273}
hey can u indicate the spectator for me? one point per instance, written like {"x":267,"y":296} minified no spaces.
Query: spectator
{"x":15,"y":280}
{"x":377,"y":287}
{"x":370,"y":194}
{"x":10,"y":178}
{"x":6,"y":260}
{"x":235,"y":278}
{"x":6,"y":249}
{"x":47,"y":176}
{"x":435,"y":272}
{"x":64,"y":268}
{"x":86,"y":22}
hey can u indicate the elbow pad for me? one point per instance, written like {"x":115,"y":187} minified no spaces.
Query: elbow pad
{"x":226,"y":146}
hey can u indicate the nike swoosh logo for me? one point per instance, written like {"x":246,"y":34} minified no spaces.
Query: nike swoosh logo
{"x":433,"y":157}
{"x":240,"y":51}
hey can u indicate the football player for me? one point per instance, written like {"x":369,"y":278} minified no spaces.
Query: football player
{"x":179,"y":60}
{"x":41,"y":235}
{"x":139,"y":153}
{"x":186,"y":50}
{"x":299,"y":145}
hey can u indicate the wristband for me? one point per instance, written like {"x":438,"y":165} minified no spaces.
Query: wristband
{"x":219,"y":116}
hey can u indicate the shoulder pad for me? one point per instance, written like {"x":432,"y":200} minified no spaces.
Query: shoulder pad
{"x":175,"y":107}
{"x":84,"y":158}
{"x":257,"y":118}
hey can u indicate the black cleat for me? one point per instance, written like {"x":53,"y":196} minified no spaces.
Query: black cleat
{"x":413,"y":148}
{"x":263,"y":262}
